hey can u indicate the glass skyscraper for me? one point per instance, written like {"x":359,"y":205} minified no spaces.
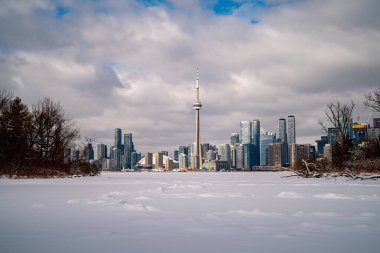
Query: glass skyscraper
{"x":245,"y":132}
{"x":255,"y":140}
{"x":117,"y":138}
{"x":265,"y":140}
{"x":128,"y":149}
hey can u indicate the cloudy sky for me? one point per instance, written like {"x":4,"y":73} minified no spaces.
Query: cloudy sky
{"x":132,"y":63}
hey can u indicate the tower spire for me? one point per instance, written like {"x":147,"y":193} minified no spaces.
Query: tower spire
{"x":197,"y":106}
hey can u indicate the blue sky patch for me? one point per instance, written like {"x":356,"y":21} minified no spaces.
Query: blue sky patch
{"x":226,"y":7}
{"x":61,"y":11}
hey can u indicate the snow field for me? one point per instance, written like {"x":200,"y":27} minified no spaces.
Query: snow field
{"x":189,"y":212}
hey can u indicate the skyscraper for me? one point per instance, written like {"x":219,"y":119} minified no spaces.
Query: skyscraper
{"x":245,"y":132}
{"x":101,"y":151}
{"x":224,"y":151}
{"x":282,"y":130}
{"x":255,"y":140}
{"x":291,"y":135}
{"x":183,"y":150}
{"x":283,"y":139}
{"x":197,"y":106}
{"x":128,"y":149}
{"x":265,"y":140}
{"x":117,"y":138}
{"x":159,"y":163}
{"x":234,"y":139}
{"x":239,"y":156}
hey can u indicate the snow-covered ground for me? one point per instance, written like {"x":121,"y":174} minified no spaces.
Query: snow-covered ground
{"x":189,"y":212}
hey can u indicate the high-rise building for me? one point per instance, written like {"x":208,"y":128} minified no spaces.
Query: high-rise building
{"x":117,"y":139}
{"x":101,"y":151}
{"x":275,"y":155}
{"x":248,"y":156}
{"x":148,"y":159}
{"x":245,"y":132}
{"x":255,"y":140}
{"x":117,"y":157}
{"x":205,"y":147}
{"x":327,"y":152}
{"x":224,"y":151}
{"x":233,"y":156}
{"x":283,"y":139}
{"x":183,"y":161}
{"x":291,"y":134}
{"x":300,"y":151}
{"x":164,"y":152}
{"x":197,"y":106}
{"x":135,"y":157}
{"x":89,"y":151}
{"x":176,"y":153}
{"x":265,"y":140}
{"x":321,"y":143}
{"x":210,"y":155}
{"x":169,"y":164}
{"x":239,"y":156}
{"x":332,"y":134}
{"x":183,"y":150}
{"x":234,"y":139}
{"x":128,"y":149}
{"x":159,"y":163}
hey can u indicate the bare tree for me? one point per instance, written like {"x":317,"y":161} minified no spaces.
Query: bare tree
{"x":373,"y":100}
{"x":52,"y":131}
{"x":339,"y":116}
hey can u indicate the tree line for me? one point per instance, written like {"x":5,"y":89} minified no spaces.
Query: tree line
{"x":33,"y":140}
{"x":349,"y":158}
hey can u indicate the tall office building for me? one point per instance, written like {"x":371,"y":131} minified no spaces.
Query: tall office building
{"x":135,"y":157}
{"x":183,"y":161}
{"x":197,"y":106}
{"x":275,"y":155}
{"x":245,"y":132}
{"x":234,"y":139}
{"x":248,"y":156}
{"x":176,"y":153}
{"x":210,"y":155}
{"x":239,"y":156}
{"x":149,"y":160}
{"x":117,"y":139}
{"x":300,"y":151}
{"x":255,"y":140}
{"x":159,"y":163}
{"x":291,"y":134}
{"x":183,"y":150}
{"x":265,"y":140}
{"x":282,"y":130}
{"x":233,"y":156}
{"x":117,"y":157}
{"x":204,"y":148}
{"x":101,"y":151}
{"x":224,"y":151}
{"x":128,"y":149}
{"x":89,"y":151}
{"x":283,"y":139}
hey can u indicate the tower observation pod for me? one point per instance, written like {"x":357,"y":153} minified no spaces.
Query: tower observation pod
{"x":197,"y":106}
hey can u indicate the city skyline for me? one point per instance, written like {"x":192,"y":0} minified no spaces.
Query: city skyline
{"x":131,"y":64}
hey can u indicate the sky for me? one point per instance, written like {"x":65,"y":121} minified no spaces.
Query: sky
{"x":132,"y":64}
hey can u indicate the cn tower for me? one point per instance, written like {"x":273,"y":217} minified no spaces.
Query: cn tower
{"x":197,"y":106}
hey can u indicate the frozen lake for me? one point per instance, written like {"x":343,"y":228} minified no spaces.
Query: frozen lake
{"x":189,"y":212}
